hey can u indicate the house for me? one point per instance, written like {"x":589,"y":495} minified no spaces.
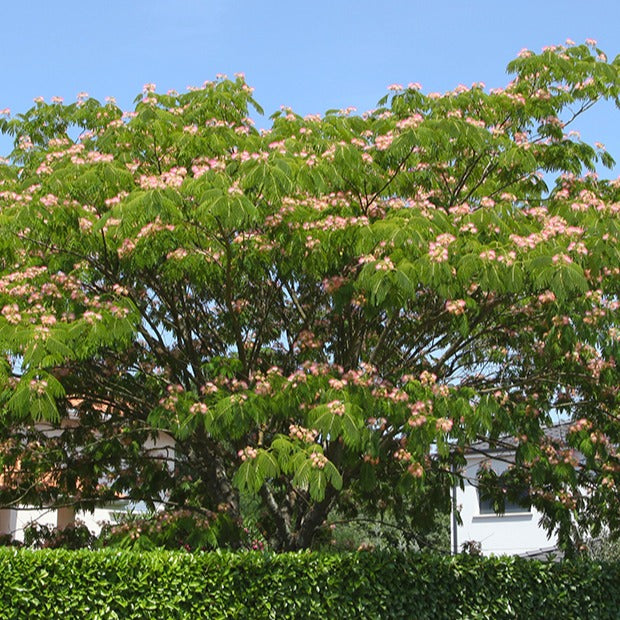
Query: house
{"x":515,"y":532}
{"x":14,"y":520}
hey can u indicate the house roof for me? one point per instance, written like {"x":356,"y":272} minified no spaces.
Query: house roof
{"x":553,"y":554}
{"x":557,"y":432}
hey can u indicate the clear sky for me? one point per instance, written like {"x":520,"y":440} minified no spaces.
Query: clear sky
{"x":311,"y":56}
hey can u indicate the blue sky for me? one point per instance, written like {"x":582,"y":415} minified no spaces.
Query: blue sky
{"x":311,"y":56}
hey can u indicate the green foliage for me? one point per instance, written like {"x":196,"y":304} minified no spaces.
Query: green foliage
{"x":384,"y":532}
{"x":171,"y":529}
{"x":325,"y":314}
{"x":129,"y":585}
{"x":75,"y":536}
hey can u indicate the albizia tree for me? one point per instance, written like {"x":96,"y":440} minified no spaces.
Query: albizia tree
{"x":325,"y":314}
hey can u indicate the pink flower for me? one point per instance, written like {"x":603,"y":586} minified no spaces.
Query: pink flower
{"x":383,"y":142}
{"x":427,"y":378}
{"x":488,"y":255}
{"x":437,"y":253}
{"x":38,"y":386}
{"x":318,"y":460}
{"x":48,"y":320}
{"x":455,"y":306}
{"x":336,"y":407}
{"x":546,"y":297}
{"x":444,"y":425}
{"x":49,"y":200}
{"x":416,"y":470}
{"x":248,"y":453}
{"x":562,"y":259}
{"x":198,"y":408}
{"x":11,"y":313}
{"x":402,"y":455}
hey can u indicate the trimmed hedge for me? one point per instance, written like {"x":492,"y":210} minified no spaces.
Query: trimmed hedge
{"x":121,"y":584}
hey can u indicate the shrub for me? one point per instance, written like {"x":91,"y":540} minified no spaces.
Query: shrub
{"x":121,"y":584}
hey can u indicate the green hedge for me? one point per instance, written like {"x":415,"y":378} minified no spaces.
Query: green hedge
{"x":122,"y":584}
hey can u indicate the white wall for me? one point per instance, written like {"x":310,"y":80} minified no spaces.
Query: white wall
{"x":508,"y":534}
{"x":14,"y":521}
{"x":22,"y":517}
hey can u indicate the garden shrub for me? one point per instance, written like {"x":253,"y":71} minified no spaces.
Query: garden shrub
{"x":122,"y":584}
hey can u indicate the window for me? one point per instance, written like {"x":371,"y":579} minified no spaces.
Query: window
{"x":497,"y":494}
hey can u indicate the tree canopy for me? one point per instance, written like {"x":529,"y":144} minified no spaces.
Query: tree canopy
{"x":323,"y":315}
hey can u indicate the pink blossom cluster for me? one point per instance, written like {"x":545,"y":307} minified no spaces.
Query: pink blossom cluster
{"x":438,"y":249}
{"x":170,"y":401}
{"x":579,"y":425}
{"x":234,"y":189}
{"x":460,"y":210}
{"x":49,"y":200}
{"x":455,"y":306}
{"x":562,"y":259}
{"x":126,"y":247}
{"x":30,"y":273}
{"x":410,"y":122}
{"x":178,"y":254}
{"x":491,"y":255}
{"x":417,"y":410}
{"x":48,"y":320}
{"x":154,"y":227}
{"x":118,"y":312}
{"x":306,"y":339}
{"x":41,"y":333}
{"x":373,"y":460}
{"x":11,"y":313}
{"x":427,"y":378}
{"x":546,"y":297}
{"x":332,"y":284}
{"x":115,"y":200}
{"x":25,"y":143}
{"x":14,"y":197}
{"x":209,"y":388}
{"x":92,"y":157}
{"x":303,"y":434}
{"x":382,"y":143}
{"x":244,"y":156}
{"x":247,"y":454}
{"x":416,"y":470}
{"x":385,"y":265}
{"x":337,"y":407}
{"x":421,"y":407}
{"x":170,"y":178}
{"x":199,"y":408}
{"x":318,"y":460}
{"x":92,"y":317}
{"x":337,"y":384}
{"x":402,"y":455}
{"x":444,"y":425}
{"x":334,"y":222}
{"x":38,"y":386}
